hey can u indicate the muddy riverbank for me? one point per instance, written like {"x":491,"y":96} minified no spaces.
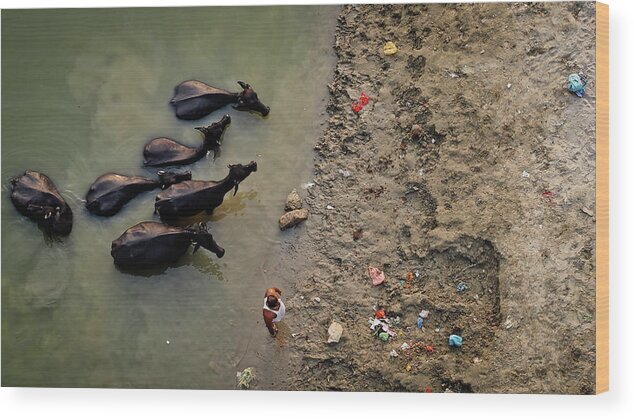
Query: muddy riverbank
{"x":472,"y":165}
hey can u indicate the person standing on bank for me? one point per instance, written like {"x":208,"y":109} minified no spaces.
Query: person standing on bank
{"x":273,"y":310}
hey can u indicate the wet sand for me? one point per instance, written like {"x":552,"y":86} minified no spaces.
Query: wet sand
{"x":470,"y":164}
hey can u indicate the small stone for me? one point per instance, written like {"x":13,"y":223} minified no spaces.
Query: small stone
{"x":476,"y":360}
{"x":317,"y":299}
{"x":167,"y":341}
{"x":508,"y":86}
{"x":393,"y":353}
{"x":437,"y":330}
{"x":293,"y":218}
{"x":329,"y":207}
{"x":416,"y":132}
{"x":587,"y":211}
{"x":525,"y":174}
{"x":293,"y":201}
{"x":344,"y":173}
{"x":334,"y":332}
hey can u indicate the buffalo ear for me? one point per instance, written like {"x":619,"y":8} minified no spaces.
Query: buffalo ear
{"x":243,"y":85}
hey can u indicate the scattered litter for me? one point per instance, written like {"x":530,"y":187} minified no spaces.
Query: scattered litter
{"x":437,"y":330}
{"x":317,"y":299}
{"x":379,"y":326}
{"x":379,"y":314}
{"x":415,"y":348}
{"x":167,"y":341}
{"x":508,"y":86}
{"x":357,"y":106}
{"x":409,"y":279}
{"x":421,"y":318}
{"x":396,"y":321}
{"x":245,"y":378}
{"x":462,"y":287}
{"x":525,"y":174}
{"x":295,"y":335}
{"x":307,"y":185}
{"x":329,"y":207}
{"x":455,"y":341}
{"x":587,"y":211}
{"x":390,"y":48}
{"x":393,"y":353}
{"x":508,"y":323}
{"x":344,"y":173}
{"x":384,"y":336}
{"x":428,"y":390}
{"x":408,"y":367}
{"x":548,"y":195}
{"x":476,"y":360}
{"x":376,"y":275}
{"x":334,"y":332}
{"x":577,"y":83}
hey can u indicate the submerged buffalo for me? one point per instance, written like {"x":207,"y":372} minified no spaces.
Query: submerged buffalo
{"x":110,"y":192}
{"x":149,"y":244}
{"x":36,"y":197}
{"x":167,"y":152}
{"x":191,"y":197}
{"x":194,"y":99}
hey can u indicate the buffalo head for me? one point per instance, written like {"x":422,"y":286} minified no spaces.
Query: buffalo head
{"x":167,"y":178}
{"x":248,"y":101}
{"x":206,"y":240}
{"x":238,"y":172}
{"x":56,"y":220}
{"x":213,"y":133}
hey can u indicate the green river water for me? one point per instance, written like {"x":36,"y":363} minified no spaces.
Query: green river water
{"x":82,"y":91}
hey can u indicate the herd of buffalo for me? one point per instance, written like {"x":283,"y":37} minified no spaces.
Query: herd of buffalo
{"x":152,"y":243}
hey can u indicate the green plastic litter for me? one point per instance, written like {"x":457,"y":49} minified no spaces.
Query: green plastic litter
{"x":384,"y":336}
{"x":245,"y":378}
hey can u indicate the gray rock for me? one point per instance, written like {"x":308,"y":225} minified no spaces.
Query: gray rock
{"x":293,"y":218}
{"x":293,"y":201}
{"x":334,"y":332}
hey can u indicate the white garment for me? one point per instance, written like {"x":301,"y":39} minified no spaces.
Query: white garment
{"x":279,"y":314}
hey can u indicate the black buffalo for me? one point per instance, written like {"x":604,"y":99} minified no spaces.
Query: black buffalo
{"x":36,"y":197}
{"x":110,"y":192}
{"x":149,"y":244}
{"x":168,"y":152}
{"x":194,"y":99}
{"x":192,"y":197}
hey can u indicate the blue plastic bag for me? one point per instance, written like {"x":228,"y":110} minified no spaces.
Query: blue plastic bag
{"x":455,"y":341}
{"x":576,"y":84}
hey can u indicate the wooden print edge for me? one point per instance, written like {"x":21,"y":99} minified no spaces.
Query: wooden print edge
{"x":602,"y":199}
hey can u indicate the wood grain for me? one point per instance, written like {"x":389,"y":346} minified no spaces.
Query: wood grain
{"x":602,"y":213}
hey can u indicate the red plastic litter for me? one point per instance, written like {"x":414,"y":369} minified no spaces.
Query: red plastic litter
{"x":428,"y":390}
{"x":357,"y":106}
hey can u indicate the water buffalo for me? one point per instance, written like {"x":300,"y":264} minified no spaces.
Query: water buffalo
{"x":149,"y":244}
{"x":191,"y":197}
{"x":36,"y":197}
{"x":110,"y":192}
{"x":167,"y":152}
{"x":194,"y":99}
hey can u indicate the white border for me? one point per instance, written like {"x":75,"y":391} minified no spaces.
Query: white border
{"x":51,"y":404}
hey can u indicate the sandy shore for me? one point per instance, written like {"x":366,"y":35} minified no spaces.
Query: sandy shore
{"x":470,"y":164}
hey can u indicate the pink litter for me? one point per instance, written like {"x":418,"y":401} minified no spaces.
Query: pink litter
{"x":376,"y":275}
